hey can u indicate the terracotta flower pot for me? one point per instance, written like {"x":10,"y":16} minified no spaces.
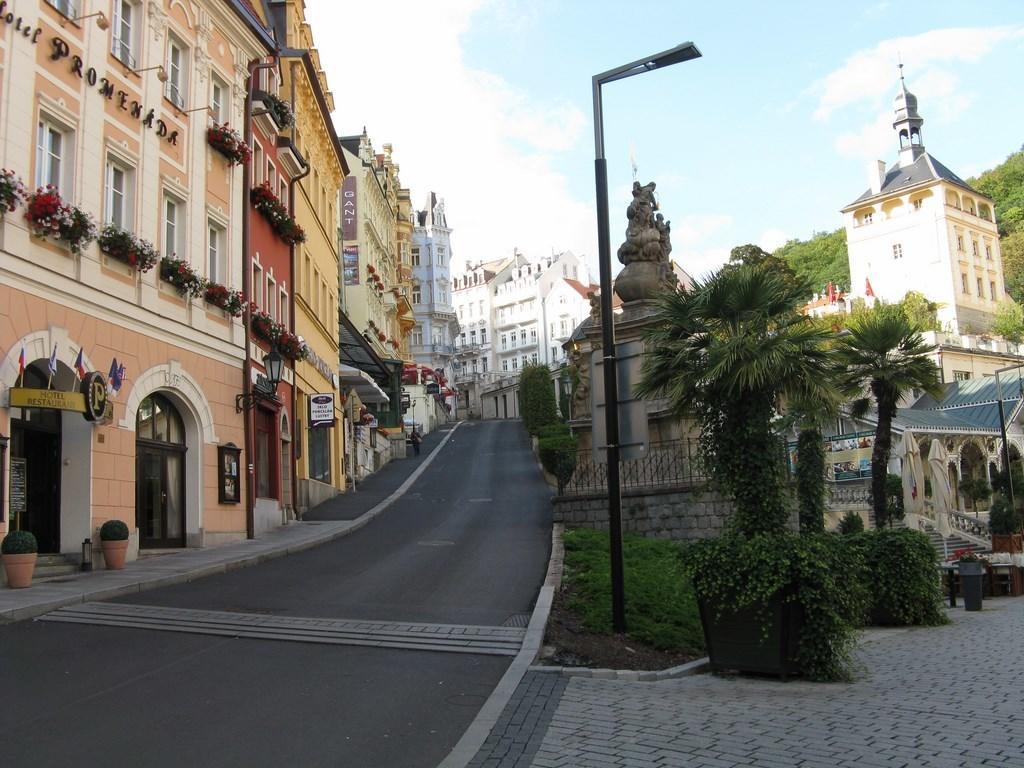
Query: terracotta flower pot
{"x":114,"y":553}
{"x":19,"y":569}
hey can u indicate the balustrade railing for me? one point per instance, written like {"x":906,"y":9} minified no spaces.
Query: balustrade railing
{"x":969,"y":524}
{"x":846,"y":495}
{"x":669,"y":463}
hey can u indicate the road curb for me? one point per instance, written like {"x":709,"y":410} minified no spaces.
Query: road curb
{"x":333,"y":530}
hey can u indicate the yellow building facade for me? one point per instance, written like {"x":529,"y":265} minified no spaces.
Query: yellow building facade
{"x":319,"y":404}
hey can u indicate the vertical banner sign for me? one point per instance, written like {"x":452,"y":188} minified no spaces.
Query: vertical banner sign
{"x":349,"y":222}
{"x":350,"y":264}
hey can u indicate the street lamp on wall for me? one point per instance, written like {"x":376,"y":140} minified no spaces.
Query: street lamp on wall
{"x":265,"y":387}
{"x":680,"y":53}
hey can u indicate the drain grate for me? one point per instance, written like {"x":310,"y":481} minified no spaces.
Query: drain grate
{"x":518,"y":620}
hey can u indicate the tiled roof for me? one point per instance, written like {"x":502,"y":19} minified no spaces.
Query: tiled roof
{"x":925,"y":168}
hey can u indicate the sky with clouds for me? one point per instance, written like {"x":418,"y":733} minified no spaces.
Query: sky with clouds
{"x":763,"y":139}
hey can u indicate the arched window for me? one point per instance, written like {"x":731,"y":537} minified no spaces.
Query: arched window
{"x":159,"y":420}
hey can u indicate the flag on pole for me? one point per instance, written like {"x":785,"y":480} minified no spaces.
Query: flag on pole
{"x":867,"y":288}
{"x":80,"y":366}
{"x":119,"y":379}
{"x":111,"y":375}
{"x":51,"y":366}
{"x":21,"y":367}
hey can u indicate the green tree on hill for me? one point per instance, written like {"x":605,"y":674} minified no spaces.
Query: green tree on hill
{"x":821,"y":259}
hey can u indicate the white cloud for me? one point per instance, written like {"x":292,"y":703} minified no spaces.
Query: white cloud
{"x":870,"y":75}
{"x":875,"y":140}
{"x":771,"y":239}
{"x":468,"y":135}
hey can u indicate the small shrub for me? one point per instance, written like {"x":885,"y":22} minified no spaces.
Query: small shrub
{"x":113,"y":530}
{"x":1003,"y":519}
{"x":810,"y":480}
{"x":537,"y":397}
{"x":19,"y":543}
{"x":851,"y":523}
{"x":893,"y":499}
{"x":900,"y":577}
{"x":558,"y":429}
{"x":558,"y":456}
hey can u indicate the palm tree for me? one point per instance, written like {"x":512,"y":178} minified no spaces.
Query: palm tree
{"x":728,"y":351}
{"x":884,"y":352}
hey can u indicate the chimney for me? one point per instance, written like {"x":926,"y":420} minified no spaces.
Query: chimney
{"x":876,"y":175}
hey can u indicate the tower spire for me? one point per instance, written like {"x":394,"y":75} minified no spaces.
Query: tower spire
{"x":908,"y":123}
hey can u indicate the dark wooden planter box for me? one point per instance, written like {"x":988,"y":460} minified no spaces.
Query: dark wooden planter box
{"x":738,"y":640}
{"x":1012,"y":543}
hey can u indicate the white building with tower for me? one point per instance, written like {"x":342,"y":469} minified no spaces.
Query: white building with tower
{"x":433,"y":336}
{"x":921,"y":227}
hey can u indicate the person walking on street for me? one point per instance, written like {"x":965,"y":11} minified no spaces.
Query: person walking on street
{"x":415,"y":438}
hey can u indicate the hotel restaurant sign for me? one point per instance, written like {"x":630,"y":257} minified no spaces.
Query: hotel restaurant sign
{"x":61,"y":50}
{"x":90,"y":400}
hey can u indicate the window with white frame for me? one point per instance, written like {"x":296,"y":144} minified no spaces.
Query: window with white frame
{"x":533,"y":357}
{"x":176,"y":87}
{"x":417,"y":336}
{"x":981,"y":293}
{"x":440,"y":256}
{"x":417,"y":296}
{"x":219,"y":101}
{"x":515,"y":363}
{"x":217,"y":270}
{"x":67,"y":7}
{"x":257,"y":163}
{"x":963,"y":282}
{"x":272,"y":298}
{"x":118,"y":194}
{"x":897,"y":250}
{"x":415,"y":257}
{"x":125,"y":35}
{"x":483,"y":335}
{"x":992,"y":290}
{"x":483,"y":364}
{"x":257,"y":285}
{"x":504,"y":365}
{"x":53,"y":155}
{"x":174,"y":226}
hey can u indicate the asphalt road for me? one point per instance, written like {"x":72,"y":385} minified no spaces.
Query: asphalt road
{"x":467,"y":544}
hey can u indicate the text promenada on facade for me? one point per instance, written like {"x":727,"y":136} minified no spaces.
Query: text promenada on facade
{"x":61,"y":50}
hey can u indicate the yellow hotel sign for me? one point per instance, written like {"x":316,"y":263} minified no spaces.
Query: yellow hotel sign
{"x":47,"y":398}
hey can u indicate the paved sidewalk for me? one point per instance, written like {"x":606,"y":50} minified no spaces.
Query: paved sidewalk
{"x":344,"y":514}
{"x":944,"y":697}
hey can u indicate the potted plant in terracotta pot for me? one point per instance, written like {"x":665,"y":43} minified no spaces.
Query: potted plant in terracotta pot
{"x":114,"y":540}
{"x":19,"y":550}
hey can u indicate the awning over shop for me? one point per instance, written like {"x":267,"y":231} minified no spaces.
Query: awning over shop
{"x":367,"y":389}
{"x":356,"y":352}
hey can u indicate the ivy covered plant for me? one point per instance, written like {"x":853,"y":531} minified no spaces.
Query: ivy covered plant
{"x":900,"y":576}
{"x":49,"y":216}
{"x":228,"y":142}
{"x":180,"y":274}
{"x":818,"y":572}
{"x":272,"y":209}
{"x":12,"y":191}
{"x":128,"y":248}
{"x":225,"y":298}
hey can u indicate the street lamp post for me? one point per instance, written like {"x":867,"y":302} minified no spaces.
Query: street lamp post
{"x":680,"y":53}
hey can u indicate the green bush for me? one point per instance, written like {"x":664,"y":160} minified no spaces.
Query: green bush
{"x":813,"y":567}
{"x":537,"y":397}
{"x":661,"y":609}
{"x":19,"y":543}
{"x":900,"y":576}
{"x":893,"y":499}
{"x":810,"y":480}
{"x":558,"y":456}
{"x":558,"y":429}
{"x":113,"y":530}
{"x":1003,"y":519}
{"x":851,"y":523}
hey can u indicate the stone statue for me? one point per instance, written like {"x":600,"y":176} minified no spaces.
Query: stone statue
{"x":646,"y":249}
{"x":581,"y":394}
{"x":595,"y":307}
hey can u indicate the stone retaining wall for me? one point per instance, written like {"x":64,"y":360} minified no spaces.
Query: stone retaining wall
{"x":663,"y":513}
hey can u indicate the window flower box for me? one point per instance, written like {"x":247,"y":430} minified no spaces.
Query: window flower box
{"x":12,"y":191}
{"x":49,"y":216}
{"x":180,"y":274}
{"x":291,"y":346}
{"x":223,"y":297}
{"x":272,"y":113}
{"x":228,"y":142}
{"x":127,"y":248}
{"x":272,"y":209}
{"x":264,"y":326}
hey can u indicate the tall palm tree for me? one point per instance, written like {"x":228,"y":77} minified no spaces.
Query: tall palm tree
{"x":728,"y":351}
{"x":883,"y":352}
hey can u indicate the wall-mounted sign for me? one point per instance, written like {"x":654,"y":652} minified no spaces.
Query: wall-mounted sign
{"x":229,"y":490}
{"x":90,"y":400}
{"x":19,"y":488}
{"x":350,"y":264}
{"x":321,"y":410}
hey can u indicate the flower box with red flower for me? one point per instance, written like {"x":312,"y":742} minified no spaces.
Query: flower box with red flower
{"x":264,"y":326}
{"x":126,"y":247}
{"x":49,"y":216}
{"x":272,"y":209}
{"x":370,"y":269}
{"x":223,"y":297}
{"x":381,"y":337}
{"x":180,"y":274}
{"x":228,"y":142}
{"x":12,"y":191}
{"x":291,"y":346}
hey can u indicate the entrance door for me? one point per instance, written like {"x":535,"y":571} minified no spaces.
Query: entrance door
{"x":160,"y":474}
{"x":35,"y":440}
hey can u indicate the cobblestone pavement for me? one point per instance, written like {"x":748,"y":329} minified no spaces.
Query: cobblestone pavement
{"x":945,"y":697}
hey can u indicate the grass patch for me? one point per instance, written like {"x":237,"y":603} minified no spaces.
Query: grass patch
{"x":661,"y":609}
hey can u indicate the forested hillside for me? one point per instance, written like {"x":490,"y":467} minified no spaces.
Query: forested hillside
{"x":1005,"y":185}
{"x":820,"y":259}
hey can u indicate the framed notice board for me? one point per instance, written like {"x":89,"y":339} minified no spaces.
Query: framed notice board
{"x":229,"y":483}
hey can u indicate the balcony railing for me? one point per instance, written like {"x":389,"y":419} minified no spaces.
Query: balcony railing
{"x":671,"y":463}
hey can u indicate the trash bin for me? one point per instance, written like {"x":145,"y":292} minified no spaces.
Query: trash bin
{"x":972,"y":573}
